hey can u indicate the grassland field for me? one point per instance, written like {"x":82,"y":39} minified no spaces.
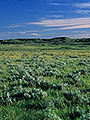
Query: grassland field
{"x":50,"y":82}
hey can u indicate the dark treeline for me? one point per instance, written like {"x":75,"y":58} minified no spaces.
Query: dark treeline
{"x":56,"y":41}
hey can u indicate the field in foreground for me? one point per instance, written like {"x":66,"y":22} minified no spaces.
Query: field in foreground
{"x":44,"y":83}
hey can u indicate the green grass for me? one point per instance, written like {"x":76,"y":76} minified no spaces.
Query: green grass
{"x":44,"y":82}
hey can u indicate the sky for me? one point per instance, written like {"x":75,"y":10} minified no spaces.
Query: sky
{"x":44,"y":18}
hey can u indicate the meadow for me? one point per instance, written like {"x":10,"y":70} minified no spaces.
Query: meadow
{"x":44,"y":82}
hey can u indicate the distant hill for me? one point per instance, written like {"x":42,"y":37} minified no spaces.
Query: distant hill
{"x":52,"y":41}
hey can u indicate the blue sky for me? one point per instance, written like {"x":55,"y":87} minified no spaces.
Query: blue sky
{"x":44,"y":18}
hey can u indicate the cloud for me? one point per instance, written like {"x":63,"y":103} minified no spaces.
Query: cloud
{"x":73,"y":23}
{"x":52,"y":16}
{"x":26,"y":32}
{"x":80,"y":34}
{"x":83,"y":12}
{"x":15,"y":26}
{"x":56,"y":16}
{"x":67,"y":28}
{"x":4,"y":35}
{"x":55,"y":3}
{"x":71,"y":34}
{"x":36,"y":34}
{"x":21,"y":34}
{"x":45,"y":34}
{"x":82,"y":5}
{"x":75,"y":27}
{"x":59,"y":3}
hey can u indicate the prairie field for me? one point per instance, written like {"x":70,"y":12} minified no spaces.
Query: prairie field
{"x":44,"y":82}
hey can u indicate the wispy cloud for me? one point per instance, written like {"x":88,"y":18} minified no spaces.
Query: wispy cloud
{"x":67,"y":28}
{"x":80,"y":34}
{"x":55,"y":3}
{"x":56,"y":16}
{"x":4,"y":35}
{"x":23,"y":32}
{"x":45,"y":34}
{"x":76,"y":27}
{"x":71,"y":34}
{"x":82,"y":5}
{"x":20,"y":34}
{"x":73,"y":23}
{"x":15,"y":26}
{"x":59,"y":3}
{"x":87,"y":12}
{"x":52,"y":16}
